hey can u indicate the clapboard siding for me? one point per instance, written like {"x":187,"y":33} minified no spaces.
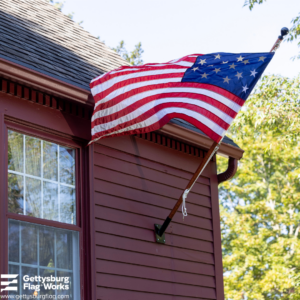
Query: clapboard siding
{"x":132,"y":219}
{"x":140,"y":195}
{"x":134,"y":188}
{"x":148,"y":210}
{"x":119,"y":294}
{"x":156,"y":260}
{"x":142,"y":183}
{"x":160,"y":287}
{"x":148,"y":236}
{"x":123,"y":269}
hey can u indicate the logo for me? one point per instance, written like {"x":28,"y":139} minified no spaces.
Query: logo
{"x":8,"y":283}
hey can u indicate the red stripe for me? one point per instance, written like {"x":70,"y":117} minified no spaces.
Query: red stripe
{"x":126,"y":72}
{"x":170,"y":85}
{"x":134,"y":106}
{"x":190,"y":59}
{"x":214,"y":136}
{"x":208,"y":114}
{"x":159,"y":107}
{"x":135,"y":80}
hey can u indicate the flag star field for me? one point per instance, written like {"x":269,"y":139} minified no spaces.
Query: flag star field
{"x":205,"y":90}
{"x":236,"y":73}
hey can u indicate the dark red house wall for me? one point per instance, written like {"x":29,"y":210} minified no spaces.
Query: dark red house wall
{"x":130,"y":183}
{"x":136,"y":183}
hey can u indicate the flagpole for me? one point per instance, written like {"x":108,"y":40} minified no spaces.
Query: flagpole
{"x":160,"y":230}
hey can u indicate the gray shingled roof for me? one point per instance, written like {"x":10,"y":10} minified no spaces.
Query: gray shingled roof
{"x":36,"y":35}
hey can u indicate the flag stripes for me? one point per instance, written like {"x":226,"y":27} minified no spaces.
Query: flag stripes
{"x":141,"y":99}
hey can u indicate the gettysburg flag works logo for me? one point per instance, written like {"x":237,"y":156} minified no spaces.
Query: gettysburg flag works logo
{"x":9,"y":283}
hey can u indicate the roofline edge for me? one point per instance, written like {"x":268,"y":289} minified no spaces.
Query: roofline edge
{"x":42,"y":81}
{"x":200,"y":140}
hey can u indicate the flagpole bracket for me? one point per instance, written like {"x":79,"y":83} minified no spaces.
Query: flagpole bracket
{"x":159,"y":239}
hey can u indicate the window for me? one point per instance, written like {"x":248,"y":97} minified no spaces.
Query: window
{"x":41,"y":179}
{"x":41,"y":184}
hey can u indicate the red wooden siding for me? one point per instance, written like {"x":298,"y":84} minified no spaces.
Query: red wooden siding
{"x":136,"y":183}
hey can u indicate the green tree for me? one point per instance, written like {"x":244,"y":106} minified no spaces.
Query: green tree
{"x":134,"y":57}
{"x":294,"y":30}
{"x":260,"y":206}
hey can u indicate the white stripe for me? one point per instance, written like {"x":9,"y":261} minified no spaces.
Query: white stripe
{"x":227,"y":102}
{"x":108,"y":84}
{"x":133,"y":115}
{"x":133,"y":86}
{"x":226,"y":118}
{"x":159,"y":115}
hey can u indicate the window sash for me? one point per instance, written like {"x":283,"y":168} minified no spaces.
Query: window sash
{"x":71,"y":217}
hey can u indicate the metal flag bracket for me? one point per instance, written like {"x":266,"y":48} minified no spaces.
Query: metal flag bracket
{"x":159,"y":239}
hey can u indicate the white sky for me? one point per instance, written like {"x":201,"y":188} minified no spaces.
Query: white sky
{"x":170,"y":29}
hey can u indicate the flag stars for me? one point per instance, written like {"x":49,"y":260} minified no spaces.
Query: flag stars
{"x":240,"y":58}
{"x":253,"y":73}
{"x":202,"y":62}
{"x":217,"y":70}
{"x":204,"y":75}
{"x":245,"y":88}
{"x":232,"y":66}
{"x":225,"y":62}
{"x":246,"y":62}
{"x":262,"y":58}
{"x":239,"y":75}
{"x":218,"y":56}
{"x":226,"y":79}
{"x":194,"y":69}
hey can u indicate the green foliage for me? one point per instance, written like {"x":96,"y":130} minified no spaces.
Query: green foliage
{"x":134,"y":57}
{"x":294,"y":30}
{"x":260,"y":216}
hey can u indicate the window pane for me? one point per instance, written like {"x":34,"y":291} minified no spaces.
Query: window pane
{"x":46,"y":247}
{"x":67,"y":205}
{"x":50,"y":201}
{"x":29,"y":243}
{"x":50,"y":168}
{"x":33,"y":156}
{"x":67,"y":165}
{"x":64,"y":250}
{"x":33,"y":197}
{"x":47,"y":273}
{"x":31,"y":272}
{"x":15,"y":193}
{"x":46,"y":251}
{"x":69,"y":282}
{"x":14,"y":241}
{"x":15,"y":151}
{"x":14,"y":269}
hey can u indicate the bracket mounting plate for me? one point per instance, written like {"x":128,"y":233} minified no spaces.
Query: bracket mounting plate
{"x":162,"y":239}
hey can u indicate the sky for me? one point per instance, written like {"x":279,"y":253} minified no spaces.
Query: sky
{"x":170,"y":29}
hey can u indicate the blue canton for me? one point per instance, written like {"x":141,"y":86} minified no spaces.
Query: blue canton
{"x":236,"y":73}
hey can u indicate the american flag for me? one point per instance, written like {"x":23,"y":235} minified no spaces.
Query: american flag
{"x":205,"y":90}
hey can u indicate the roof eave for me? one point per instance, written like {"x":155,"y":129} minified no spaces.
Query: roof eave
{"x":44,"y":82}
{"x":200,"y":140}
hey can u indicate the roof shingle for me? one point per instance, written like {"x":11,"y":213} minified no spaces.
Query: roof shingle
{"x":36,"y":35}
